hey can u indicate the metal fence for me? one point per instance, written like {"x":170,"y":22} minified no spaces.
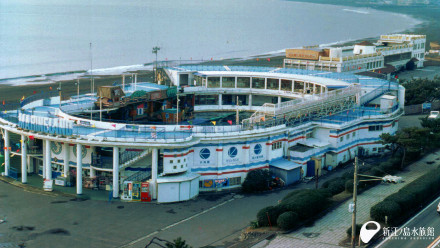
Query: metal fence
{"x":419,"y":108}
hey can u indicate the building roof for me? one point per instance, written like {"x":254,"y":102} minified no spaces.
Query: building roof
{"x":284,"y":164}
{"x":365,"y":43}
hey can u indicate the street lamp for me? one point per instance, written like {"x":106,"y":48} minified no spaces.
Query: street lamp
{"x":155,"y":51}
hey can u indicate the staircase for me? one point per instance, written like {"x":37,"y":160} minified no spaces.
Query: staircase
{"x":381,"y":90}
{"x":268,"y":111}
{"x":139,"y":176}
{"x":128,"y":158}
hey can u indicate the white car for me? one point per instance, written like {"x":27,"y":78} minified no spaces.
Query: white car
{"x":434,"y":115}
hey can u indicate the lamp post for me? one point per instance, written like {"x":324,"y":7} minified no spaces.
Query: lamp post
{"x":155,"y":51}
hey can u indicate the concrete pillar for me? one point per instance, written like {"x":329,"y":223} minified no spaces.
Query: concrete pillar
{"x":154,"y":165}
{"x":265,"y":83}
{"x":44,"y":159}
{"x":66,"y":155}
{"x":23,"y":159}
{"x":221,"y":82}
{"x":293,"y":85}
{"x":48,"y":160}
{"x":236,"y":82}
{"x":279,"y":99}
{"x":92,"y":172}
{"x":268,"y":149}
{"x":250,"y":83}
{"x":246,"y":154}
{"x":79,"y":180}
{"x":279,"y":84}
{"x":250,"y":101}
{"x":115,"y":172}
{"x":220,"y":101}
{"x":219,"y":156}
{"x":7,"y":152}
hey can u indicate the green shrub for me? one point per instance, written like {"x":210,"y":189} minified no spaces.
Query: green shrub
{"x":377,"y":172}
{"x":405,"y":201}
{"x":306,"y":204}
{"x":358,"y":230}
{"x":287,"y":220}
{"x":293,"y":193}
{"x":269,"y":213}
{"x":327,"y":183}
{"x":337,"y":186}
{"x":257,"y":180}
{"x":349,"y":186}
{"x":325,"y":192}
{"x":386,"y":208}
{"x":348,"y":175}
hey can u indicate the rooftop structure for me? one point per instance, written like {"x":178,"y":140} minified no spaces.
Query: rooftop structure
{"x":390,"y":50}
{"x":294,"y":122}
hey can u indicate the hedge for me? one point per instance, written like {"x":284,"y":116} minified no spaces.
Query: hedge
{"x":287,"y":220}
{"x":337,"y":186}
{"x":256,"y":181}
{"x":306,"y":203}
{"x":272,"y":213}
{"x":400,"y":204}
{"x":386,"y":208}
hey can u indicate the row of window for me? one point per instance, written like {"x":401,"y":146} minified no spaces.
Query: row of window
{"x":353,"y":134}
{"x":419,"y":46}
{"x":178,"y":161}
{"x":375,"y":128}
{"x":277,"y":145}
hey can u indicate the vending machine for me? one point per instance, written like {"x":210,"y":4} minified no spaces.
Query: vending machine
{"x":127,"y":191}
{"x":145,"y":192}
{"x":136,"y":192}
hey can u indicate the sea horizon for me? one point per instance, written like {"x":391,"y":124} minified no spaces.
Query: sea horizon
{"x":237,"y":42}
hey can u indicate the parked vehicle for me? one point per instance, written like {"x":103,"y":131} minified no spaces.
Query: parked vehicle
{"x":434,"y":115}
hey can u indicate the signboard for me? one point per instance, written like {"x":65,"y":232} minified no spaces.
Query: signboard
{"x":232,"y":155}
{"x":205,"y":156}
{"x":257,"y":152}
{"x":303,"y":54}
{"x":60,"y":182}
{"x":45,"y":124}
{"x":48,"y":185}
{"x":426,"y":106}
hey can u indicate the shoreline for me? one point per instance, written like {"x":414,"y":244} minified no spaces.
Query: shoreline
{"x":51,"y":78}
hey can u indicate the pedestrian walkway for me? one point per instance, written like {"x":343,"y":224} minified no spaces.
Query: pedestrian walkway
{"x":330,"y":230}
{"x":35,"y":185}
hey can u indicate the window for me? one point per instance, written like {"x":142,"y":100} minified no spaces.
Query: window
{"x":181,"y":166}
{"x":380,"y":149}
{"x":171,"y":161}
{"x":354,"y":134}
{"x":184,"y":160}
{"x":174,"y":167}
{"x":375,"y":128}
{"x":341,"y":138}
{"x":234,"y":181}
{"x":178,"y":161}
{"x":258,"y":83}
{"x":309,"y":135}
{"x":393,"y":123}
{"x":276,"y":145}
{"x":228,"y":82}
{"x":347,"y":136}
{"x":140,"y":111}
{"x":374,"y":149}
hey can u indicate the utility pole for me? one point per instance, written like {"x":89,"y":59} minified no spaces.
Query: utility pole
{"x":177,"y":112}
{"x":155,"y":51}
{"x":91,"y":80}
{"x":237,"y":117}
{"x":353,"y":220}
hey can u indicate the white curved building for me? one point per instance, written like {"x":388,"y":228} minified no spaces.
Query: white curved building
{"x":291,"y":121}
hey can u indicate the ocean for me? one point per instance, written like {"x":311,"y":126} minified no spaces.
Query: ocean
{"x":49,"y":36}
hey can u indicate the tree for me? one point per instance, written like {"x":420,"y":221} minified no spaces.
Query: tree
{"x":413,"y":139}
{"x":178,"y":243}
{"x":410,"y":65}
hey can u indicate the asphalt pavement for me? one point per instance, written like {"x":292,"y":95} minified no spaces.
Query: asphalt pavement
{"x":410,"y":234}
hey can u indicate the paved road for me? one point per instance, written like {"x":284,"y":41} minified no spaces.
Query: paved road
{"x":426,"y":72}
{"x":427,"y":218}
{"x":44,"y":220}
